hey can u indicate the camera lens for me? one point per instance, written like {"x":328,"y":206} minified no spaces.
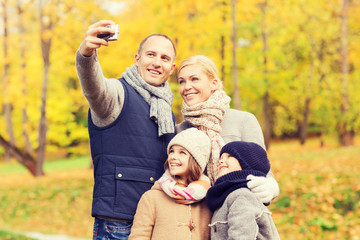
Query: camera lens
{"x":103,"y":35}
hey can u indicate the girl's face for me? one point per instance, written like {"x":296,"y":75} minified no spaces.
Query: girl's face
{"x":194,"y":85}
{"x":228,"y":164}
{"x":178,"y":160}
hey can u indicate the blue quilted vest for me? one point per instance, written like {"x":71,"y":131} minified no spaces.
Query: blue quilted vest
{"x":128,"y":158}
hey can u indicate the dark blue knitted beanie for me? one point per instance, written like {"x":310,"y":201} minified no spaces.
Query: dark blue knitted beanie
{"x":251,"y":156}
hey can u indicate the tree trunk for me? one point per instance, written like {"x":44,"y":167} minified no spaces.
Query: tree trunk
{"x":7,"y":104}
{"x":345,"y":134}
{"x":23,"y":158}
{"x":25,"y":119}
{"x":9,"y":128}
{"x":222,"y":47}
{"x":267,"y":120}
{"x":236,"y":95}
{"x":266,"y":97}
{"x":222,"y":54}
{"x":45,"y":39}
{"x":305,"y":122}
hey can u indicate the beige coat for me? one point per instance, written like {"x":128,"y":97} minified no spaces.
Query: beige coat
{"x":159,"y":217}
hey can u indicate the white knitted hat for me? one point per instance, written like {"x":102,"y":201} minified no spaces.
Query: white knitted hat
{"x":196,"y":142}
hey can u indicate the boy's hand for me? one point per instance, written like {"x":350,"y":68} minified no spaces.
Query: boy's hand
{"x":265,"y":188}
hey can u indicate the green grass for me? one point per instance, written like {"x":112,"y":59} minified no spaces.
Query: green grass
{"x":57,"y":203}
{"x":53,"y":165}
{"x":5,"y":235}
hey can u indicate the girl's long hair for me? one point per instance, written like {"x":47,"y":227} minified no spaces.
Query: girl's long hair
{"x":194,"y":171}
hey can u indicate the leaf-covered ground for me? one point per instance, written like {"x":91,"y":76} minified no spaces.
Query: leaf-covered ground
{"x":58,"y":203}
{"x":320,"y":191}
{"x":319,"y":198}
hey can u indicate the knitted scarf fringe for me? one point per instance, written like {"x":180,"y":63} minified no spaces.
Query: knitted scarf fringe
{"x":194,"y":192}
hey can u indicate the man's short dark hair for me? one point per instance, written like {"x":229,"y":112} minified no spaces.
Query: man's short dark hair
{"x":154,"y":35}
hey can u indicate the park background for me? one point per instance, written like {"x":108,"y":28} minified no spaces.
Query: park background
{"x":294,"y":64}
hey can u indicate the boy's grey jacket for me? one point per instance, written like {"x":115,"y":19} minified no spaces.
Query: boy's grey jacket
{"x":242,"y":206}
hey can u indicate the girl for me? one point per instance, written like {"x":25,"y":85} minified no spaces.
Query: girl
{"x":207,"y":107}
{"x":174,"y":208}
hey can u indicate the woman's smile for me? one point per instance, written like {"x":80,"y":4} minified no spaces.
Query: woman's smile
{"x":194,"y":85}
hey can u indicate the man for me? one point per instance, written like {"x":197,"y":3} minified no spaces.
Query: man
{"x":130,"y":124}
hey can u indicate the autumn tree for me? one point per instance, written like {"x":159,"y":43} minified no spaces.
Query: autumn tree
{"x":296,"y":64}
{"x":25,"y":118}
{"x":266,"y":97}
{"x":344,"y":128}
{"x":24,"y":152}
{"x":234,"y":41}
{"x":6,"y":82}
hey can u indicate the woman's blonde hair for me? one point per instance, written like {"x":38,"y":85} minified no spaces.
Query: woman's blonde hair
{"x":205,"y":63}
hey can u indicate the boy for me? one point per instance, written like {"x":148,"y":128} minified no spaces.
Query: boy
{"x":238,"y":213}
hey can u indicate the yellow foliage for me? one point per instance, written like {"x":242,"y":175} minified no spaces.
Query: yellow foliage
{"x":302,"y":58}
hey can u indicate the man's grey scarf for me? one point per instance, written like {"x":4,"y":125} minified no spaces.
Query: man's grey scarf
{"x":159,"y":98}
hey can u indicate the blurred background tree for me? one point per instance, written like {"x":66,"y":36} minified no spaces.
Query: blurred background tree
{"x":294,"y":64}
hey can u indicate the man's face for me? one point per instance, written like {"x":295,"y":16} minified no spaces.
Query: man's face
{"x":156,"y":60}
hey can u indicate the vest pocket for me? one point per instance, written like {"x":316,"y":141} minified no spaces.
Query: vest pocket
{"x":131,"y":183}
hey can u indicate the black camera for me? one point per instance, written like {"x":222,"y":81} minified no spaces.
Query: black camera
{"x":110,"y":36}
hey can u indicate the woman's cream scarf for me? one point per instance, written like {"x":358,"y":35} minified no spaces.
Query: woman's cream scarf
{"x":207,"y":116}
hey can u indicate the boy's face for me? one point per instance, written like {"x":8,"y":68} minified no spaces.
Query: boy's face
{"x":227,"y":164}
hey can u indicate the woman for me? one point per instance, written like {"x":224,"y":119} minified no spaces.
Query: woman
{"x":207,"y":107}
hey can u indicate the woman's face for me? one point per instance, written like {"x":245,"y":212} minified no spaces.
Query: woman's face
{"x":194,"y":85}
{"x":178,"y":160}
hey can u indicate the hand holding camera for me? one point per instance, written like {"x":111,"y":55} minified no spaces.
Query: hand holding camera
{"x":99,"y":34}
